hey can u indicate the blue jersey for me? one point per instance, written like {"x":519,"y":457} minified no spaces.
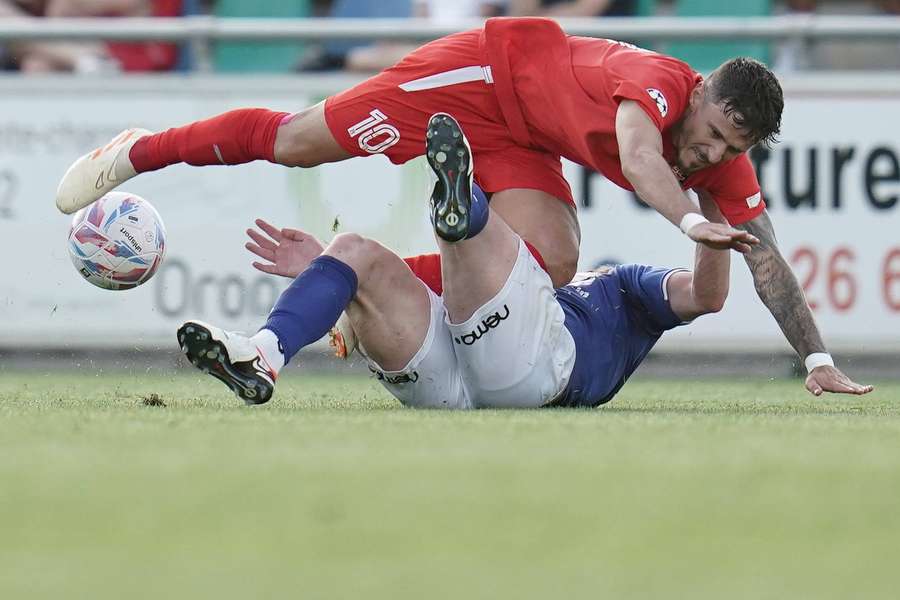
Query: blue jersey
{"x":615,"y":319}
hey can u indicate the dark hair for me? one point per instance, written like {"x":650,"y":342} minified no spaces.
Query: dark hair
{"x":752,"y":97}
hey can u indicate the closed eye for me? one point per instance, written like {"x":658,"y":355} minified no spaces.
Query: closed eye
{"x":716,"y":134}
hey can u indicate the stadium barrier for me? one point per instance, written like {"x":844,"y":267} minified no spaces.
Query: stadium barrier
{"x":202,"y":31}
{"x":262,"y":29}
{"x":833,"y":188}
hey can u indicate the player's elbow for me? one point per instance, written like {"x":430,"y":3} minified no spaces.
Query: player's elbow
{"x":710,"y":299}
{"x":711,"y":303}
{"x":698,"y":309}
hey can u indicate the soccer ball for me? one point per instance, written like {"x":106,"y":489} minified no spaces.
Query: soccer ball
{"x":117,"y":242}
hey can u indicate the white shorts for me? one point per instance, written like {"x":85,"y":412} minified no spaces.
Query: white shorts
{"x":514,"y":352}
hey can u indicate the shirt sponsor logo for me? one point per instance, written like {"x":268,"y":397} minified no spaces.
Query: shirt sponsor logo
{"x":754,"y":200}
{"x":488,"y":323}
{"x":661,"y":104}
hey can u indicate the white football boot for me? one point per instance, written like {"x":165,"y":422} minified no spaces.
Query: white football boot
{"x":342,"y":337}
{"x":98,"y":172}
{"x":230,"y":357}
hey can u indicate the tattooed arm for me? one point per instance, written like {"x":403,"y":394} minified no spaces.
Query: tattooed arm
{"x":780,"y":292}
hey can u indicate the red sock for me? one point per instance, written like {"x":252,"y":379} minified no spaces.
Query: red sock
{"x":232,"y":138}
{"x":427,"y":267}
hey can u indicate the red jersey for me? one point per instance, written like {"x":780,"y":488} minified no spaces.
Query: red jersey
{"x":148,"y":56}
{"x":560,"y":94}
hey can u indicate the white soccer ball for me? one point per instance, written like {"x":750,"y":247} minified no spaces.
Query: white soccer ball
{"x":118,"y":242}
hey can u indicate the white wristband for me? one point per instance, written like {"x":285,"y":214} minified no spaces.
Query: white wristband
{"x":818,"y":359}
{"x":691,"y":219}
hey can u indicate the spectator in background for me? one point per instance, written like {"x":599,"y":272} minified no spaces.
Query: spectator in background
{"x":39,"y":57}
{"x":804,"y":54}
{"x":87,"y":57}
{"x":442,"y":11}
{"x":382,"y":55}
{"x":370,"y":58}
{"x":891,"y":7}
{"x":571,"y":8}
{"x":795,"y":54}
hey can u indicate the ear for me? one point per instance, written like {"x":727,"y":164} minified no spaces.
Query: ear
{"x":696,"y":95}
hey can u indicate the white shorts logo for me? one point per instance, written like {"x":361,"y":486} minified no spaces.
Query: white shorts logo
{"x":754,"y":200}
{"x":374,"y":134}
{"x":661,"y":104}
{"x":488,"y":323}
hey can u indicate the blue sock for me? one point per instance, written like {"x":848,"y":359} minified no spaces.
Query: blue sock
{"x":312,"y":304}
{"x":479,"y":211}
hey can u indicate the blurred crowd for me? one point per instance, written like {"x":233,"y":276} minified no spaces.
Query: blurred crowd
{"x":802,"y":55}
{"x":377,"y":56}
{"x":88,"y":57}
{"x":100,"y":57}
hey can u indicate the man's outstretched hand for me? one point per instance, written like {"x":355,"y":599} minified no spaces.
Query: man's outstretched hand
{"x":722,"y":237}
{"x":287,"y":251}
{"x":830,"y":379}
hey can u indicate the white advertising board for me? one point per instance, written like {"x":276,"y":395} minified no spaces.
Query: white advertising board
{"x":833,"y":187}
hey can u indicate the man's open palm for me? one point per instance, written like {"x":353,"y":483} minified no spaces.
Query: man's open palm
{"x":722,"y":237}
{"x":287,"y":252}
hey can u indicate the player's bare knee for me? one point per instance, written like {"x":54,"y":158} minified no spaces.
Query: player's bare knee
{"x":361,"y":253}
{"x":296,"y":143}
{"x":348,"y":244}
{"x":293,"y":148}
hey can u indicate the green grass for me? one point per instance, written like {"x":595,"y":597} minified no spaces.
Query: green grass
{"x":714,"y":489}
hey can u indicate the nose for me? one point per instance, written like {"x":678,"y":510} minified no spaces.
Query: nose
{"x":716,"y":152}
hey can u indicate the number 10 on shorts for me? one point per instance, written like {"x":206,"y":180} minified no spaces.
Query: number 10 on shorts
{"x":374,"y":134}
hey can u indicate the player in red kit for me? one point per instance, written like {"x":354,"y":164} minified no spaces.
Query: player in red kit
{"x":528,"y":94}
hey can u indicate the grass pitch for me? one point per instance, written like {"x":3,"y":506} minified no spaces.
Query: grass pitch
{"x":715,"y":489}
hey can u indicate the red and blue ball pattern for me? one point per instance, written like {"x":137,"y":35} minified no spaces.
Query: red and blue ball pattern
{"x":118,"y":242}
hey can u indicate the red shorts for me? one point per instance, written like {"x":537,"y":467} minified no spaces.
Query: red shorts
{"x":388,"y":113}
